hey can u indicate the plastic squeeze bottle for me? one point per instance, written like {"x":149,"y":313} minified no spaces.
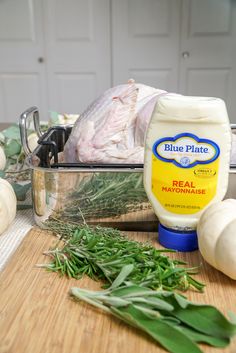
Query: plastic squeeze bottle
{"x":187,"y":160}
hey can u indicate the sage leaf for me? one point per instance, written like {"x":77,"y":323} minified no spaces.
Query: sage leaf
{"x":157,"y":303}
{"x":183,"y":303}
{"x":200,"y":337}
{"x":167,"y":335}
{"x":206,"y":319}
{"x":132,"y":291}
{"x":174,"y":322}
{"x":114,"y":301}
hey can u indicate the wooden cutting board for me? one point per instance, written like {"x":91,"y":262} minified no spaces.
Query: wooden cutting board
{"x":37,"y":315}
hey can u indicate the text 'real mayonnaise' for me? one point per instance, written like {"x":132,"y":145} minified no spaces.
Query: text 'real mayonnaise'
{"x":187,"y":157}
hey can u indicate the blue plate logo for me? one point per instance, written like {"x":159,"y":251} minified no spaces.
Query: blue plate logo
{"x":186,"y":150}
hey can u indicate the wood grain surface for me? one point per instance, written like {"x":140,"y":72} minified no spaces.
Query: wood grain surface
{"x":38,"y":316}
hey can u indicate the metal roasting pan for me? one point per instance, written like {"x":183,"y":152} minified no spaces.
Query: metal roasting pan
{"x":77,"y":192}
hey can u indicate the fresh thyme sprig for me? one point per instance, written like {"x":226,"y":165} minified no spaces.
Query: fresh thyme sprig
{"x":101,"y":253}
{"x":106,"y":194}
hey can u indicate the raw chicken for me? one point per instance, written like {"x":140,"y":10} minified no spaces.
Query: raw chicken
{"x":112,"y":129}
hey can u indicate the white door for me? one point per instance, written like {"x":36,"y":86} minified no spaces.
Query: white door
{"x":22,"y":74}
{"x":61,"y":54}
{"x":208,"y":50}
{"x":78,"y":52}
{"x":145,"y":42}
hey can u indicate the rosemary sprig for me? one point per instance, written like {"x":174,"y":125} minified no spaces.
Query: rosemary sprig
{"x":106,"y":194}
{"x":174,"y":322}
{"x":101,"y":253}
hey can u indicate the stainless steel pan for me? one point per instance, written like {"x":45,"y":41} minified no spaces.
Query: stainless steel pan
{"x":99,"y":194}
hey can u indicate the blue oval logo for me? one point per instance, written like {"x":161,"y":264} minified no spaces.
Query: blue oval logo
{"x":186,"y":150}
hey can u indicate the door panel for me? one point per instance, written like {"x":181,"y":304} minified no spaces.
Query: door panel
{"x":156,"y":13}
{"x":208,"y":50}
{"x":17,"y":22}
{"x":78,"y":17}
{"x":212,"y":82}
{"x":209,"y":17}
{"x":145,"y":42}
{"x":75,"y":91}
{"x":22,"y":77}
{"x":78,"y":48}
{"x":13,"y":85}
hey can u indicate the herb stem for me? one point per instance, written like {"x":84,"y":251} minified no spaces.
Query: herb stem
{"x":101,"y":253}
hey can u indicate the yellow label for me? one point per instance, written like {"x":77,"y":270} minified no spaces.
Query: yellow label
{"x":184,"y":172}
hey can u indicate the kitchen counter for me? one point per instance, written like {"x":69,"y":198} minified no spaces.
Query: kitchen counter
{"x":37,"y":315}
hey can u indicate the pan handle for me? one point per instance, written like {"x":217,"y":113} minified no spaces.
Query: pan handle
{"x":31,"y":112}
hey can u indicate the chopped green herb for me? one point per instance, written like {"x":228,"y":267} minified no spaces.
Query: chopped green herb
{"x":101,"y":253}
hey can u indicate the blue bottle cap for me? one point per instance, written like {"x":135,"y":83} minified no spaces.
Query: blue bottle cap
{"x":177,"y":240}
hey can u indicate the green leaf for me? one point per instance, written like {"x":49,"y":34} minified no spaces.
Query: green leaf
{"x":154,"y":302}
{"x":114,"y":301}
{"x":206,"y":319}
{"x":203,"y":318}
{"x":132,"y":291}
{"x":167,"y":335}
{"x":200,"y":337}
{"x":183,"y":303}
{"x":92,"y":242}
{"x":2,"y":174}
{"x":21,"y":191}
{"x":176,"y":330}
{"x":12,"y":132}
{"x":124,"y":273}
{"x":11,"y":148}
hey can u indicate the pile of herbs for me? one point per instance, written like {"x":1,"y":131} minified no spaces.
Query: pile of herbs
{"x":106,"y":194}
{"x":101,"y":253}
{"x":141,"y":286}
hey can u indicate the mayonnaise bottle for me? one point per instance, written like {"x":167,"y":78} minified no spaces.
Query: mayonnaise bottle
{"x":187,"y":158}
